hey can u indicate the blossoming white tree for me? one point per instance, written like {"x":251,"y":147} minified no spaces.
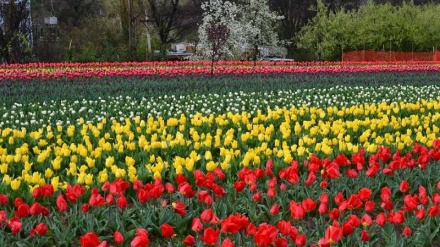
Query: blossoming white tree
{"x":259,"y":22}
{"x":219,"y":13}
{"x":250,"y":25}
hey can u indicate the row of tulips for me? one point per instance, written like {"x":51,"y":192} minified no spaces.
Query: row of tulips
{"x":208,"y":63}
{"x":57,"y":71}
{"x":385,"y":198}
{"x":93,"y":153}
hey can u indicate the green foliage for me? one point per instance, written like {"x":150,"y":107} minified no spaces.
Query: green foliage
{"x":371,"y":27}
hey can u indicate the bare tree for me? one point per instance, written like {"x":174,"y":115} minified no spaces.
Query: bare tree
{"x":173,"y":19}
{"x":217,"y":35}
{"x":15,"y":31}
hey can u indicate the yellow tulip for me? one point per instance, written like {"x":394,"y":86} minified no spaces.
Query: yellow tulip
{"x":4,"y":168}
{"x":179,"y":170}
{"x":48,"y":173}
{"x":210,"y":166}
{"x":129,"y":161}
{"x":36,"y":176}
{"x":89,"y":179}
{"x":157,"y":175}
{"x":6,"y":179}
{"x":189,"y":165}
{"x":15,"y":184}
{"x":56,"y":163}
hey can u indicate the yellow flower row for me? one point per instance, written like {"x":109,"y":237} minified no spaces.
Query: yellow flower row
{"x":88,"y":153}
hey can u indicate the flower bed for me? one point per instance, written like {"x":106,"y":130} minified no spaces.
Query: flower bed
{"x":289,"y":160}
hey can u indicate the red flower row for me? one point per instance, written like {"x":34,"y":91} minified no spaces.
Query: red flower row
{"x":347,"y":211}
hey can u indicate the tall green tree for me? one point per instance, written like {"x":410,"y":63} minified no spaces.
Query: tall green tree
{"x":15,"y":31}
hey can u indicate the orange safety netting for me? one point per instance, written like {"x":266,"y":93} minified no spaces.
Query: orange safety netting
{"x":371,"y":56}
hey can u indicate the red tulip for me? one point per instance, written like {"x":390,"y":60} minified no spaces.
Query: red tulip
{"x":108,"y":199}
{"x":179,"y":207}
{"x":365,"y":236}
{"x":257,"y":197}
{"x":189,"y":240}
{"x":90,"y":239}
{"x":202,"y":195}
{"x":186,"y":190}
{"x":141,"y":239}
{"x":281,"y":242}
{"x":143,"y":195}
{"x":265,"y":235}
{"x":271,"y":193}
{"x":352,"y":173}
{"x":18,"y":201}
{"x":118,"y":237}
{"x":436,"y":198}
{"x":406,"y":231}
{"x":275,"y":209}
{"x":269,"y":167}
{"x":283,"y":187}
{"x":323,"y":198}
{"x":169,"y":187}
{"x":180,"y":179}
{"x":411,"y":202}
{"x":167,"y":230}
{"x":3,"y":218}
{"x":207,"y":215}
{"x":367,"y":220}
{"x":251,"y":229}
{"x":234,"y":223}
{"x":385,"y":194}
{"x":342,"y":160}
{"x":433,"y":211}
{"x":15,"y":224}
{"x":420,"y":214}
{"x":323,"y":184}
{"x":74,"y":192}
{"x":381,"y":219}
{"x":347,"y":228}
{"x":354,"y":202}
{"x":296,"y":210}
{"x":369,"y":206}
{"x":121,"y":202}
{"x":96,"y":199}
{"x":334,"y":214}
{"x":285,"y":227}
{"x":322,"y":209}
{"x":354,"y":220}
{"x":396,"y":217}
{"x":323,"y":242}
{"x":364,"y":194}
{"x":85,"y":207}
{"x":196,"y":225}
{"x":40,"y":229}
{"x":210,"y":236}
{"x":339,"y":198}
{"x":239,"y":186}
{"x":219,"y":173}
{"x":310,"y":179}
{"x":4,"y":199}
{"x":22,"y":210}
{"x":301,"y":240}
{"x":61,"y":203}
{"x":36,"y":208}
{"x":227,"y":243}
{"x":333,"y":234}
{"x":308,"y":205}
{"x":404,"y":186}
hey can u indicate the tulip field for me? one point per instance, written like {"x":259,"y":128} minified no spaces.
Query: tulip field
{"x":164,"y":154}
